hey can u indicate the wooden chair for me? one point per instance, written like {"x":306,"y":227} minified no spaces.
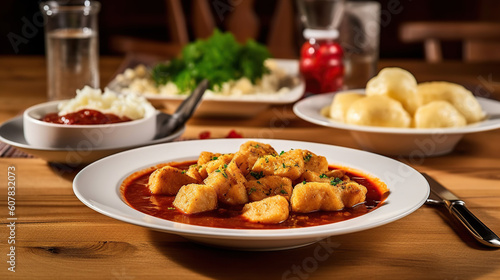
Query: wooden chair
{"x":240,"y":19}
{"x":480,"y":40}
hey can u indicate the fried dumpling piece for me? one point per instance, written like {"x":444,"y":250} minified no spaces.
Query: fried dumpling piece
{"x":218,"y":162}
{"x":438,"y":114}
{"x":458,"y":96}
{"x":271,"y":210}
{"x":168,"y":180}
{"x":206,"y":157}
{"x":325,"y":177}
{"x":194,"y":172}
{"x":341,"y":103}
{"x":378,"y":110}
{"x":313,"y":162}
{"x":195,"y":198}
{"x":313,"y":196}
{"x":248,"y":154}
{"x":229,"y":183}
{"x":203,"y":160}
{"x":268,"y":186}
{"x":397,"y":84}
{"x":289,"y":164}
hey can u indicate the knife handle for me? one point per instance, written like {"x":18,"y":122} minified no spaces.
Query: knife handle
{"x":479,"y":230}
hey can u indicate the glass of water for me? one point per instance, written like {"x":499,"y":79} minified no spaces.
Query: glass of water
{"x":71,"y":44}
{"x":359,"y":37}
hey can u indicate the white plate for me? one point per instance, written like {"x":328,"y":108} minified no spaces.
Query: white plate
{"x":234,"y":106}
{"x":397,"y":141}
{"x":11,"y":132}
{"x":98,"y":187}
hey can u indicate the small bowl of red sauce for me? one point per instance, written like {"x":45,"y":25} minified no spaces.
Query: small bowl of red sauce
{"x":46,"y":126}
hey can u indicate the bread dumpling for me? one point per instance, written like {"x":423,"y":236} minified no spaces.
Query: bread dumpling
{"x":461,"y":98}
{"x":341,"y":103}
{"x":378,"y":110}
{"x":397,"y":84}
{"x":438,"y":114}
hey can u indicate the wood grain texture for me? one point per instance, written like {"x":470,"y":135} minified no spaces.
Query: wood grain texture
{"x":58,"y":237}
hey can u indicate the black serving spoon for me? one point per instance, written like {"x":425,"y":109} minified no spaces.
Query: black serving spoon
{"x":166,"y":124}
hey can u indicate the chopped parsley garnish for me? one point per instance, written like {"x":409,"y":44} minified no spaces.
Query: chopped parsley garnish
{"x":215,"y":158}
{"x":251,"y":190}
{"x":323,"y":176}
{"x":171,"y":208}
{"x":283,"y":191}
{"x":257,"y":175}
{"x":282,"y":152}
{"x":284,"y":166}
{"x":222,"y":172}
{"x":307,"y":157}
{"x":335,"y":181}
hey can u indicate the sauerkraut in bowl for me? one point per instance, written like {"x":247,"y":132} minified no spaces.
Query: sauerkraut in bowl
{"x":131,"y":105}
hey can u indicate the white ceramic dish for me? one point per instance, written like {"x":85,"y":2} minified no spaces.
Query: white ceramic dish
{"x":397,"y":141}
{"x":98,"y":187}
{"x":49,"y":135}
{"x":11,"y":132}
{"x":232,"y":106}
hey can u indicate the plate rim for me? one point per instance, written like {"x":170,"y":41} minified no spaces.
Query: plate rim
{"x":311,"y":102}
{"x":243,"y":234}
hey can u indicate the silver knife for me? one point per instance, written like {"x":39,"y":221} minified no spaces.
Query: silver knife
{"x":457,"y":208}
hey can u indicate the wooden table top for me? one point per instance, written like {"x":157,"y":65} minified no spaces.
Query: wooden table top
{"x":58,"y":236}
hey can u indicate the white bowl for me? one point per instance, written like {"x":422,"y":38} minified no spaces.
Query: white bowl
{"x":408,"y":142}
{"x":84,"y":137}
{"x":12,"y":133}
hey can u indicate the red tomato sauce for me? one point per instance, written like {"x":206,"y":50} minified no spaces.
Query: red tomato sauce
{"x":85,"y":116}
{"x":136,"y":194}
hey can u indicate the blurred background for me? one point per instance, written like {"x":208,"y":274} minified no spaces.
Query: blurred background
{"x":151,"y":22}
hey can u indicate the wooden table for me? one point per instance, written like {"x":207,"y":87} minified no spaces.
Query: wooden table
{"x":57,"y":236}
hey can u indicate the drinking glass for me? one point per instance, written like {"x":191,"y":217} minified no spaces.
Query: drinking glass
{"x":321,"y":14}
{"x":359,"y":37}
{"x":71,"y":45}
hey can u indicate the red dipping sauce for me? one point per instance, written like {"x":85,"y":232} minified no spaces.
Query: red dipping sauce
{"x":137,"y":195}
{"x":85,"y":116}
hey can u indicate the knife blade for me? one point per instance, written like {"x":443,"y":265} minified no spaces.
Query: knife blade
{"x":458,"y":209}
